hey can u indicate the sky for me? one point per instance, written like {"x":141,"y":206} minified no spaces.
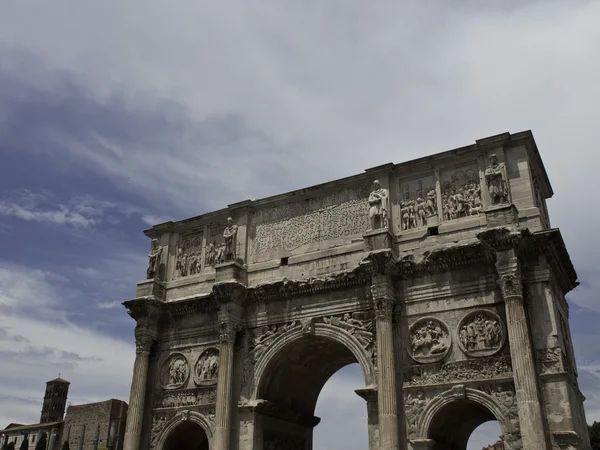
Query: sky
{"x":118,"y":115}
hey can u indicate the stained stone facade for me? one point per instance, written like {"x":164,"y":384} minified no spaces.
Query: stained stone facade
{"x":441,"y":277}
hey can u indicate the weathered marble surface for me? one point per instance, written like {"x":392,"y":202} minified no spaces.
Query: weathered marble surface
{"x":441,"y":279}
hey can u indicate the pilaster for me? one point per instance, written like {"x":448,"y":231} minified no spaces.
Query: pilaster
{"x":146,"y":313}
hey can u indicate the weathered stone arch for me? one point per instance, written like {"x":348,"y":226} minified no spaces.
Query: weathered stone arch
{"x":320,"y":330}
{"x":457,"y":394}
{"x":178,"y":419}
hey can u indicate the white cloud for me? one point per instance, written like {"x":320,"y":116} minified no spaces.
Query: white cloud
{"x":37,"y":347}
{"x":151,"y":219}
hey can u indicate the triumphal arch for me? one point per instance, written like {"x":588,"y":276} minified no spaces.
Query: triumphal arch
{"x":441,"y":277}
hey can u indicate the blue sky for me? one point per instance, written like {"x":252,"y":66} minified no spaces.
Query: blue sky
{"x":115,"y":116}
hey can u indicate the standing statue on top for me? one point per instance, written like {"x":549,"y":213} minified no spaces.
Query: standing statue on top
{"x":496,"y":181}
{"x":154,"y":258}
{"x":378,"y":211}
{"x":230,"y":239}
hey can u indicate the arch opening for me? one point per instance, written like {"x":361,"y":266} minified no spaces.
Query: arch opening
{"x":291,"y":383}
{"x":454,"y":424}
{"x":187,"y":436}
{"x":487,"y":435}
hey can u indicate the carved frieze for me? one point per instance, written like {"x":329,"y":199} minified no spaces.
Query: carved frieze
{"x":461,"y":192}
{"x":359,"y":325}
{"x":158,"y":424}
{"x":206,"y":369}
{"x":429,"y":340}
{"x":186,"y":397}
{"x":189,"y":255}
{"x":175,"y":372}
{"x":458,"y":371}
{"x":292,"y":225}
{"x":414,"y":404}
{"x":550,"y":360}
{"x":417,"y":202}
{"x":481,"y":333}
{"x":215,"y":246}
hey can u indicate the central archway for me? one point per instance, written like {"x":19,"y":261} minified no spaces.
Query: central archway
{"x":187,"y":436}
{"x":291,"y":375}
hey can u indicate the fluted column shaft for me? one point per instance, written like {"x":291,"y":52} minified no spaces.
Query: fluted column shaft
{"x":135,"y":413}
{"x":224,"y":389}
{"x":383,"y":298}
{"x":521,"y":352}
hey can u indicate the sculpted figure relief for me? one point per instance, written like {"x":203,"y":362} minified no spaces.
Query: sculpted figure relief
{"x":413,"y":405}
{"x":158,"y":423}
{"x":230,"y":241}
{"x":379,"y":207}
{"x":207,"y":367}
{"x":154,"y":258}
{"x":429,"y":339}
{"x":418,"y":202}
{"x":461,"y":194}
{"x":481,"y":333}
{"x":362,"y":330}
{"x":189,"y":397}
{"x":496,"y":181}
{"x":175,"y":372}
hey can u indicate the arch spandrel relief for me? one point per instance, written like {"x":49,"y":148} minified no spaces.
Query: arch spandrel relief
{"x":481,"y":333}
{"x":430,"y":340}
{"x":175,"y":372}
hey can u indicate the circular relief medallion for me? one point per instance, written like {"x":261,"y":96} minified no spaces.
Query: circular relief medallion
{"x":481,"y":333}
{"x":429,"y":340}
{"x":175,"y":372}
{"x":207,"y":367}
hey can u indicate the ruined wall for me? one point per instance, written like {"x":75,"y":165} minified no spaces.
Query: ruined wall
{"x":96,"y":425}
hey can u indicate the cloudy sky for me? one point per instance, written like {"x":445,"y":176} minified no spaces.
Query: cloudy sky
{"x":117,"y":115}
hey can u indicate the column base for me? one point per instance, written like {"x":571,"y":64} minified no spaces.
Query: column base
{"x":231,"y":271}
{"x":499,"y":215}
{"x":378,"y":239}
{"x":151,"y":288}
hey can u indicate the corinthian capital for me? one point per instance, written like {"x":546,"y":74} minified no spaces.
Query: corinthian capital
{"x":143,"y":344}
{"x":511,"y":285}
{"x":383,"y":293}
{"x":228,"y":331}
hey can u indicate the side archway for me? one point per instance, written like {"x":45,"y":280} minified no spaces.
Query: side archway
{"x":450,"y":418}
{"x":338,"y":337}
{"x":186,"y":423}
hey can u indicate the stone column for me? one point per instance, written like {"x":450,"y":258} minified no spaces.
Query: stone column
{"x":521,"y":352}
{"x":224,"y":388}
{"x":387,"y":395}
{"x":135,"y":414}
{"x":370,"y":396}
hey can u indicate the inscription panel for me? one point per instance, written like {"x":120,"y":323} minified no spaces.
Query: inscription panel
{"x":292,"y":226}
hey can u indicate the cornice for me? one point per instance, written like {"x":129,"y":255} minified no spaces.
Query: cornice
{"x":285,"y":288}
{"x":449,"y":257}
{"x":203,"y":303}
{"x":143,"y":308}
{"x":550,"y":243}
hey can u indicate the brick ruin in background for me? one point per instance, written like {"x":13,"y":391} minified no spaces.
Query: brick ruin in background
{"x":440,"y":276}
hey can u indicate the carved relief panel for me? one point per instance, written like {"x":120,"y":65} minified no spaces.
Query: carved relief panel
{"x":189,"y":255}
{"x":215,"y":246}
{"x":461,"y":192}
{"x":186,"y":397}
{"x":418,"y":202}
{"x":429,"y":340}
{"x":174,"y":372}
{"x":481,"y":333}
{"x":206,"y":369}
{"x":291,"y":226}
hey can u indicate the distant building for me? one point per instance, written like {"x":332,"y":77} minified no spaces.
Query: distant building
{"x":86,"y":427}
{"x":499,"y":445}
{"x":94,"y":425}
{"x":55,"y":400}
